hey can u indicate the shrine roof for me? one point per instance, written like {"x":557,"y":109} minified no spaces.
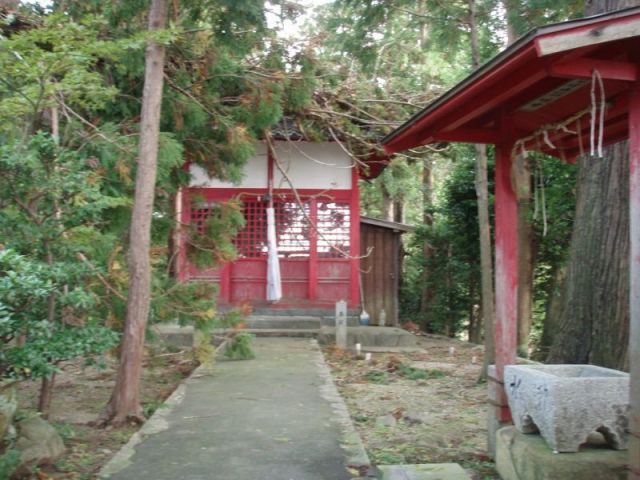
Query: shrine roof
{"x":542,"y":92}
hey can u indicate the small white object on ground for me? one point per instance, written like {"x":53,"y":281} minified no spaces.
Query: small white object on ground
{"x":452,"y":351}
{"x":367,"y":357}
{"x":358,"y":348}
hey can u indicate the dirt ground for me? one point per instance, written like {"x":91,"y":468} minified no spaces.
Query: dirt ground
{"x":422,"y":407}
{"x":80,"y":396}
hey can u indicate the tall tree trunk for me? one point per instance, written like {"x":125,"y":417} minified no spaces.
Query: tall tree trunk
{"x":593,"y":318}
{"x":552,"y":309}
{"x":526,"y":246}
{"x":427,"y":202}
{"x":125,"y":398}
{"x":47,"y":383}
{"x":474,"y":312}
{"x":398,"y":210}
{"x":387,"y":204}
{"x":484,"y":225}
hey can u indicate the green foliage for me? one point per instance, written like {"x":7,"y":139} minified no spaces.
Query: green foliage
{"x":212,"y":243}
{"x":377,"y":376}
{"x":32,"y":345}
{"x":9,"y":462}
{"x":412,"y":373}
{"x":239,"y":347}
{"x":57,"y":60}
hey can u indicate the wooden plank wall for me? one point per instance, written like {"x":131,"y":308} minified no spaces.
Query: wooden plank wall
{"x":380,"y":272}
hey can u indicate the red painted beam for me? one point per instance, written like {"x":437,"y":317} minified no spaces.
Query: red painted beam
{"x":634,"y":287}
{"x":584,"y":67}
{"x":506,"y":210}
{"x":469,"y":135}
{"x":486,"y":93}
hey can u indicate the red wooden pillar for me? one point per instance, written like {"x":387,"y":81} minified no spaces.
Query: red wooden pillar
{"x":313,"y":250}
{"x":506,"y":284}
{"x":355,"y":238}
{"x":183,"y":210}
{"x":634,"y":286}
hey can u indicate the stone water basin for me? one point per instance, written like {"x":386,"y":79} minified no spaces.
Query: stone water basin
{"x":566,"y":403}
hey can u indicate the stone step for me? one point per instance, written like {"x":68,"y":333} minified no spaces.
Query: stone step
{"x":269,"y":322}
{"x":297,"y":312}
{"x":330,"y":321}
{"x":284,"y":332}
{"x":426,"y":471}
{"x":371,"y":337}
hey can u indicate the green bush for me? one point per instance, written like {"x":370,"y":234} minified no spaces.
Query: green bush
{"x":33,"y":346}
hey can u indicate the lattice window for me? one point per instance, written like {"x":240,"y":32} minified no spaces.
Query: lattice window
{"x":293,"y":230}
{"x":251,"y":241}
{"x":334,"y":222}
{"x":199,"y":216}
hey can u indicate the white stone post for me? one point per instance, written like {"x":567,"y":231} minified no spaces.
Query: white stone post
{"x":341,"y":324}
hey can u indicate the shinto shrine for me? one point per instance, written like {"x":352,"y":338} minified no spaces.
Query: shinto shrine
{"x":313,"y":190}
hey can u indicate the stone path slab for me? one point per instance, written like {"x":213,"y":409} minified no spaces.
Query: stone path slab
{"x":278,"y":417}
{"x":434,"y":471}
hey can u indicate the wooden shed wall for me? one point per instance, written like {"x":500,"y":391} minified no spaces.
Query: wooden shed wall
{"x":380,"y":271}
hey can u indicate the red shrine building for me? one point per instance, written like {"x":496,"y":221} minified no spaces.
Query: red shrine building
{"x":315,"y":199}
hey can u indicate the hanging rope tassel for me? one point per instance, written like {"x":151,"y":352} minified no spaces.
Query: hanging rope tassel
{"x":543,"y":197}
{"x":597,"y":117}
{"x":603,"y":105}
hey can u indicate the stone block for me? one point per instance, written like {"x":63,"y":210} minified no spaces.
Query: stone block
{"x":38,"y":442}
{"x":8,"y":406}
{"x":427,"y":471}
{"x":527,"y":457}
{"x":565,"y":403}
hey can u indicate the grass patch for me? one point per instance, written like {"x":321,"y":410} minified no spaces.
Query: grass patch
{"x":377,"y":376}
{"x":412,"y":373}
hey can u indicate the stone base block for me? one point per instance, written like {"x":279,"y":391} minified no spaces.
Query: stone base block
{"x":527,"y":457}
{"x":427,"y":471}
{"x":565,"y":403}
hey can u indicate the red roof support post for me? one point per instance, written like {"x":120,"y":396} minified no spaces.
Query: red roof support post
{"x":506,"y":288}
{"x":313,"y":250}
{"x":355,"y":238}
{"x":634,"y":287}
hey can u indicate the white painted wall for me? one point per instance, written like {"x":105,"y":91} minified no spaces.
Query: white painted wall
{"x":254,"y":176}
{"x":312,"y":165}
{"x":309,"y":165}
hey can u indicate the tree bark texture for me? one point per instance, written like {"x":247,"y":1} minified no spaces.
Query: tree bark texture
{"x":522,"y":183}
{"x":46,"y":394}
{"x":125,"y":399}
{"x":427,"y":251}
{"x":486,"y":261}
{"x":387,"y":204}
{"x":484,"y":225}
{"x":552,"y":309}
{"x":593,"y":318}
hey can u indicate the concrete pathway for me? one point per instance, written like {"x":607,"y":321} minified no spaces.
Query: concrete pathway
{"x":277,"y":417}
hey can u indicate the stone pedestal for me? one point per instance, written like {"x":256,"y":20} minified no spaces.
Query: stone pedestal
{"x":527,"y":457}
{"x":565,"y":403}
{"x":341,"y":324}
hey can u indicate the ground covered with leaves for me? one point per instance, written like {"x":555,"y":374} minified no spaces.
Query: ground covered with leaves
{"x":80,"y":396}
{"x":421,"y":407}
